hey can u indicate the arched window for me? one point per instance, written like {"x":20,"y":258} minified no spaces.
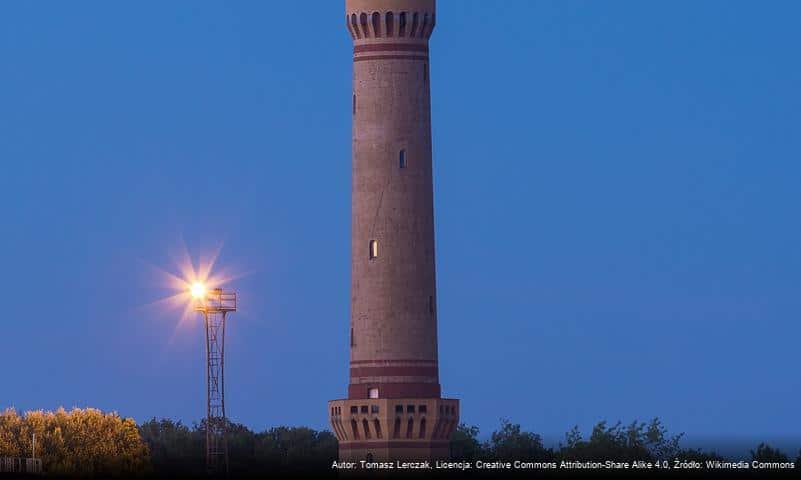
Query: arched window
{"x":424,"y":26}
{"x":377,"y":427}
{"x":409,"y":428}
{"x":437,"y":428}
{"x":350,"y":28}
{"x":390,"y":24}
{"x":354,"y":104}
{"x":366,"y":428}
{"x":415,"y":22}
{"x":376,"y":24}
{"x":355,"y":429}
{"x":373,"y":249}
{"x":396,"y":432}
{"x":422,"y":428}
{"x":402,"y":158}
{"x":355,"y":26}
{"x":363,"y":22}
{"x":402,"y":24}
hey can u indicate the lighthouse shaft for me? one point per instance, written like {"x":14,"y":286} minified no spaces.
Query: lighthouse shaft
{"x":393,"y":287}
{"x":394,"y":409}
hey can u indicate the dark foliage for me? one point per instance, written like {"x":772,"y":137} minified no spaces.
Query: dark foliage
{"x":637,"y":441}
{"x":178,"y":449}
{"x":510,"y":442}
{"x":465,"y":444}
{"x":766,"y":453}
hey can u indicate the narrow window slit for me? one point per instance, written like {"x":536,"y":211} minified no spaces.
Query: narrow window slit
{"x":376,"y":24}
{"x":390,"y":24}
{"x":363,"y":23}
{"x":402,"y":24}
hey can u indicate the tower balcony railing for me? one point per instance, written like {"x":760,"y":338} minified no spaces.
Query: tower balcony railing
{"x":217,"y":301}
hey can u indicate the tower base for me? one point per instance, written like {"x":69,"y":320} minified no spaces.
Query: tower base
{"x":390,"y":429}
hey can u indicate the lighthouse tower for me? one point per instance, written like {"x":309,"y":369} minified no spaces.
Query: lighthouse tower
{"x":394,"y":409}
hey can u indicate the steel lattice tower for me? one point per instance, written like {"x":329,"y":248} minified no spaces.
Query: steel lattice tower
{"x":215,"y":307}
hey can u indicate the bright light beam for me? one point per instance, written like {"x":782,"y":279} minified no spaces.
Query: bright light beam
{"x":198,"y":290}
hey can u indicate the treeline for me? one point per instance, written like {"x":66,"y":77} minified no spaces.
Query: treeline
{"x":176,"y":448}
{"x":91,"y":442}
{"x":648,"y":441}
{"x":79,"y":441}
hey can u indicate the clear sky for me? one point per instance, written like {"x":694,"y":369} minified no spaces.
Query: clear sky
{"x":617,"y":208}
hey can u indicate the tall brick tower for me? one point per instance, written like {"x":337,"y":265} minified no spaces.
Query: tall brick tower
{"x":394,"y":410}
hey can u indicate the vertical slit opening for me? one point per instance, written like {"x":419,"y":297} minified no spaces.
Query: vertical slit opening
{"x":376,"y":24}
{"x":355,"y":23}
{"x":415,"y":22}
{"x":402,"y":24}
{"x":390,"y":24}
{"x":365,"y":28}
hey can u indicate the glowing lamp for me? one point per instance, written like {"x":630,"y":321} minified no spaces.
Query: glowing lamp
{"x":198,"y":290}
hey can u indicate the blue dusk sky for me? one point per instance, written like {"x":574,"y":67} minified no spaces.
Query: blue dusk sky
{"x":617,"y":193}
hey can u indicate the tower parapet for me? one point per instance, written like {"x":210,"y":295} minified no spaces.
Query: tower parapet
{"x":409,"y":21}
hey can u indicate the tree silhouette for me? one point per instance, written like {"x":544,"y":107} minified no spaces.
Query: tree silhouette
{"x":178,"y":449}
{"x":465,"y":444}
{"x":510,"y":442}
{"x":766,"y":453}
{"x":636,"y":441}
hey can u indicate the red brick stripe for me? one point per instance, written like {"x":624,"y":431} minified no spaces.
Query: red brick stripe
{"x":361,"y":391}
{"x":394,"y":371}
{"x":390,"y":47}
{"x":386,"y":362}
{"x":389,"y":57}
